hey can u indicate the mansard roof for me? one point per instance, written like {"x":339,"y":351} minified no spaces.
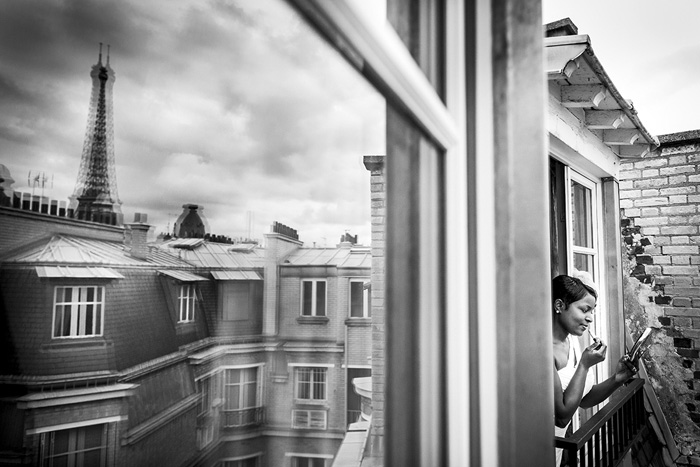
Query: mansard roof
{"x":356,"y":257}
{"x":69,"y":250}
{"x":206,"y":254}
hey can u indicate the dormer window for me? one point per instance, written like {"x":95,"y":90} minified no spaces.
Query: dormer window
{"x":186,"y":303}
{"x":78,"y":311}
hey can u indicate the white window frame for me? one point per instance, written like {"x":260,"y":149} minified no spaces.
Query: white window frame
{"x":291,"y":455}
{"x":47,"y":443}
{"x":323,"y":370}
{"x":234,"y":461}
{"x":258,"y":384}
{"x":309,"y":414}
{"x":366,"y":305}
{"x":187,"y":302}
{"x":376,"y":46}
{"x":78,"y":313}
{"x":573,"y":173}
{"x":314,"y":304}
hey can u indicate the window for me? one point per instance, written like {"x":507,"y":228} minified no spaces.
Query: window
{"x":210,"y":392}
{"x":82,"y":446}
{"x":313,"y":419}
{"x":308,"y":461}
{"x":359,"y":299}
{"x":186,"y":300}
{"x":241,"y":300}
{"x":78,"y":311}
{"x":252,"y":461}
{"x":583,"y":245}
{"x":242,"y":397}
{"x":311,"y":383}
{"x":313,"y":297}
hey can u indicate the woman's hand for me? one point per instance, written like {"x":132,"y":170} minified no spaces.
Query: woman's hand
{"x":594,"y":354}
{"x":624,"y":370}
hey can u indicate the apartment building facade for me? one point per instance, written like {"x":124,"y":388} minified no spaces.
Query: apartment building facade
{"x":124,"y":353}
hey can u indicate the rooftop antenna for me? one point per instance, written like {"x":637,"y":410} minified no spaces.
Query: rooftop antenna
{"x":39,"y":179}
{"x":100,"y":58}
{"x":108,"y":46}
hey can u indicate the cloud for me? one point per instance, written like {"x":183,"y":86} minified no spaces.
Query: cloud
{"x":234,"y":105}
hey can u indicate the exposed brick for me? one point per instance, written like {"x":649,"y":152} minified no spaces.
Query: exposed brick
{"x":658,"y":201}
{"x":647,"y":212}
{"x":679,"y":169}
{"x":680,"y":260}
{"x":675,"y":180}
{"x":678,"y":199}
{"x":630,"y":193}
{"x":665,"y":320}
{"x":629,"y":174}
{"x":677,"y":160}
{"x":628,"y":203}
{"x":680,"y":322}
{"x":682,"y":302}
{"x":660,"y":259}
{"x":650,"y":173}
{"x":651,"y":182}
{"x":676,"y":210}
{"x":681,"y":190}
{"x":694,"y":178}
{"x":679,"y":230}
{"x":651,"y":231}
{"x":680,"y":270}
{"x":682,"y":312}
{"x":680,"y":240}
{"x":679,"y":249}
{"x":656,"y":162}
{"x":625,"y":185}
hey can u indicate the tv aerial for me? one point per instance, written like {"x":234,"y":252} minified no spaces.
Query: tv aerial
{"x":39,"y":179}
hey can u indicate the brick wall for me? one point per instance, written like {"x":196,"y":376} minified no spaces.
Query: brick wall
{"x":659,"y":199}
{"x":375,"y":164}
{"x":22,"y":227}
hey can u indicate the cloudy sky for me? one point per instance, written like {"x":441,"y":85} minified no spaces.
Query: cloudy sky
{"x":236,"y":106}
{"x":650,"y":49}
{"x":233,"y":105}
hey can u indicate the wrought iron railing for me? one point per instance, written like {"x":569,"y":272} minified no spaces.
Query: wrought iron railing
{"x":242,"y":417}
{"x":604,"y":439}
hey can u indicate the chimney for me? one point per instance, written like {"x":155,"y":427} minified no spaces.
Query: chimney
{"x":137,"y":237}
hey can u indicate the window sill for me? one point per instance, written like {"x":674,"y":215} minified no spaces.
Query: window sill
{"x":310,"y":404}
{"x":312,"y":319}
{"x":76,"y":343}
{"x":358,"y":322}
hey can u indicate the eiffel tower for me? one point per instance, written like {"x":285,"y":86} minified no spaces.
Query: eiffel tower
{"x":95,"y":197}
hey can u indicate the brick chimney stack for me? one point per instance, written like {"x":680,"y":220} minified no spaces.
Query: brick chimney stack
{"x":137,"y":240}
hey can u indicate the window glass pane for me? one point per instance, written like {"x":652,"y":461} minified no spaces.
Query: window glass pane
{"x":356,"y":299}
{"x":238,"y":106}
{"x":582,"y":215}
{"x":320,"y":298}
{"x":584,"y":263}
{"x":308,"y":298}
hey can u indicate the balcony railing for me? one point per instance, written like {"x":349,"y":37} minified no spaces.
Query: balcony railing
{"x":608,"y":435}
{"x":242,"y":417}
